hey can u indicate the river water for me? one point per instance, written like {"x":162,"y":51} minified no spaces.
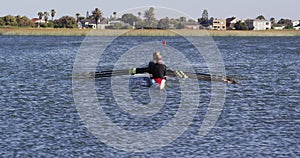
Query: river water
{"x":260,"y":116}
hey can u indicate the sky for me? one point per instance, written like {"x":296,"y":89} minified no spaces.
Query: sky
{"x":220,"y":9}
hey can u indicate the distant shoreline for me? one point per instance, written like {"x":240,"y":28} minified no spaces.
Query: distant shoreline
{"x":111,"y":32}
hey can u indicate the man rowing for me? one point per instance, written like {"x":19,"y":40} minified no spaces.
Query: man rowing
{"x":158,"y":70}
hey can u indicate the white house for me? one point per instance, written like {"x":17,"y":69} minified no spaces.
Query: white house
{"x":219,"y":24}
{"x":295,"y":23}
{"x":99,"y":26}
{"x":38,"y":21}
{"x":278,"y":27}
{"x":90,"y":23}
{"x":259,"y":24}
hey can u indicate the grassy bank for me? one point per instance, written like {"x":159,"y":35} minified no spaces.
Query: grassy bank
{"x":86,"y":32}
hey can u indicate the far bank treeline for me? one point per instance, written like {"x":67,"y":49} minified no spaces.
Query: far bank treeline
{"x":145,"y":20}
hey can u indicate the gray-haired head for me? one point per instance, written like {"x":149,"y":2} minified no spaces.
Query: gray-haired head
{"x":159,"y":59}
{"x":155,"y":56}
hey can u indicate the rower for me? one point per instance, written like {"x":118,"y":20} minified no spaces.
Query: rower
{"x":158,"y":71}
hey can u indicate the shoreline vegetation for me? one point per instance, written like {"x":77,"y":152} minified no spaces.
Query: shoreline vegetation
{"x":140,"y":32}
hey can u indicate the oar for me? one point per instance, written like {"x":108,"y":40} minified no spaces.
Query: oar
{"x":170,"y":73}
{"x":201,"y":76}
{"x":121,"y":72}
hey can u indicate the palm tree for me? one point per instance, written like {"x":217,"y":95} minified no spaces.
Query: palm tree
{"x":139,"y":14}
{"x":149,"y":15}
{"x":46,"y":16}
{"x":87,"y":16}
{"x":53,"y":12}
{"x":115,"y":15}
{"x":97,"y":14}
{"x":77,"y":17}
{"x":40,"y":14}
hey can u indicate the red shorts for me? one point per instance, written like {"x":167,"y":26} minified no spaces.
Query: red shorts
{"x":158,"y":80}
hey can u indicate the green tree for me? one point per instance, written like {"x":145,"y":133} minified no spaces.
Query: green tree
{"x":204,"y":19}
{"x":139,"y":23}
{"x":40,"y":14}
{"x":53,"y":12}
{"x":240,"y":26}
{"x":66,"y":22}
{"x":97,"y":14}
{"x":18,"y":19}
{"x":46,"y":17}
{"x":129,"y":18}
{"x":150,"y":18}
{"x":260,"y":17}
{"x":50,"y":23}
{"x":286,"y":22}
{"x":10,"y":20}
{"x":1,"y":21}
{"x":164,"y":23}
{"x":24,"y":21}
{"x":176,"y":23}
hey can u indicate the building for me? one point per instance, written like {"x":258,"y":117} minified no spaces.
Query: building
{"x":278,"y":27}
{"x":296,"y":23}
{"x":90,"y":23}
{"x":219,"y":24}
{"x":230,"y":22}
{"x":258,"y":24}
{"x":37,"y":22}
